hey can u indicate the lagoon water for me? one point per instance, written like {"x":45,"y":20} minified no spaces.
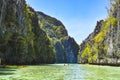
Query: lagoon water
{"x":61,"y":72}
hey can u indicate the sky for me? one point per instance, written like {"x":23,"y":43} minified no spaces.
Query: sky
{"x":78,"y":16}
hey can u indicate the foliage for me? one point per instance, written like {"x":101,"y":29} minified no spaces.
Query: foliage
{"x":111,"y":21}
{"x":87,"y":53}
{"x":95,"y":57}
{"x":99,"y":47}
{"x":99,"y":37}
{"x":42,"y":51}
{"x":105,"y":28}
{"x":32,"y":47}
{"x":51,"y":26}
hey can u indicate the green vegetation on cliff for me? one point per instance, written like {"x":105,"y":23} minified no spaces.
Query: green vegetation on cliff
{"x":102,"y":46}
{"x":22,"y":41}
{"x":30,"y":37}
{"x":66,"y":49}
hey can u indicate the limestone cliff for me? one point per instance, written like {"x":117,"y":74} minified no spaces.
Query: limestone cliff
{"x":103,"y":45}
{"x":66,"y":49}
{"x":22,"y":41}
{"x":30,"y":37}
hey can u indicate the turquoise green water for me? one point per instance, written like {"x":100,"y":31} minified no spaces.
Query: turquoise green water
{"x":94,"y":72}
{"x":61,"y":72}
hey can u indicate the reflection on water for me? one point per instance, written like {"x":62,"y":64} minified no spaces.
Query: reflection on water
{"x":48,"y":72}
{"x":6,"y":71}
{"x":61,"y":72}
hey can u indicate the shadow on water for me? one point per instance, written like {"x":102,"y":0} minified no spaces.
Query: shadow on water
{"x":6,"y":71}
{"x":2,"y":74}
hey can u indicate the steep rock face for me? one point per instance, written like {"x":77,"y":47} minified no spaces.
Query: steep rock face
{"x":9,"y":20}
{"x":10,"y":25}
{"x":30,"y":37}
{"x":22,"y":41}
{"x":71,"y":50}
{"x":114,"y":36}
{"x":104,"y":48}
{"x":53,"y":27}
{"x":91,"y":36}
{"x":60,"y":52}
{"x":63,"y":44}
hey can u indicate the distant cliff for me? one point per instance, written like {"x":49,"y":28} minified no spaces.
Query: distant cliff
{"x":30,"y":37}
{"x":103,"y":45}
{"x":66,"y":49}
